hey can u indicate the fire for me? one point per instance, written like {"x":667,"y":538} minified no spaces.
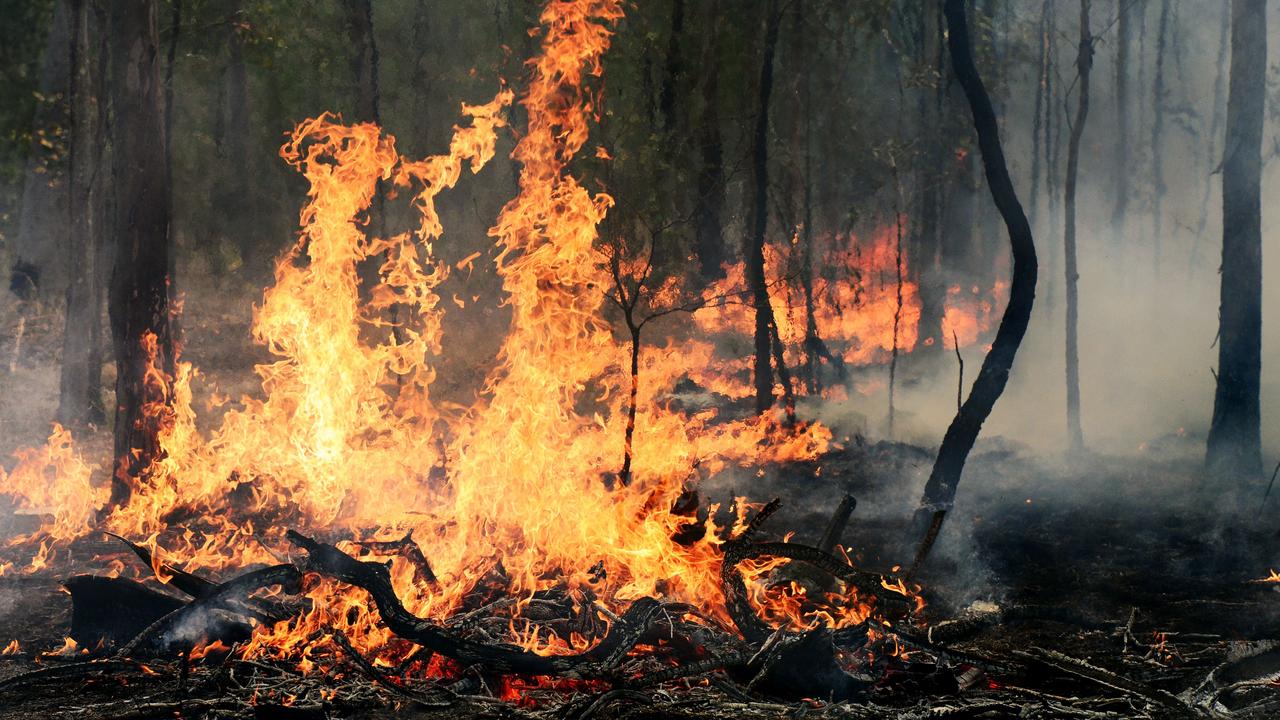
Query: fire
{"x":12,"y":648}
{"x":345,"y":437}
{"x":856,"y":310}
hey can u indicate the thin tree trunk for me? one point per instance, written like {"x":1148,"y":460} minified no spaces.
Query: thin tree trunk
{"x":139,"y":293}
{"x":709,"y":211}
{"x":1215,"y":134}
{"x":1121,"y":170}
{"x":1084,"y":63}
{"x":931,"y":284}
{"x":171,"y":62}
{"x":940,"y":490}
{"x":754,"y":250}
{"x":674,"y":67}
{"x":80,"y":379}
{"x":1234,"y":446}
{"x":1158,"y":188}
{"x":1037,"y":122}
{"x":237,"y":180}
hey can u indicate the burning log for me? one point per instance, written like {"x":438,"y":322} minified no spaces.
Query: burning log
{"x":405,"y":548}
{"x":835,"y":528}
{"x":200,"y":619}
{"x":374,"y":578}
{"x":114,"y":610}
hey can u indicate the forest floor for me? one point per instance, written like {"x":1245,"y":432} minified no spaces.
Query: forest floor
{"x":1107,"y":587}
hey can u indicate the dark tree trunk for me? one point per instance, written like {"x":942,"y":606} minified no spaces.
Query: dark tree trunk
{"x":171,"y":64}
{"x":709,"y":211}
{"x":1158,"y":188}
{"x":1215,"y":135}
{"x":1234,"y":447}
{"x":927,"y":240}
{"x":80,"y":380}
{"x":940,"y":490}
{"x":40,"y":248}
{"x":1121,"y":169}
{"x":138,"y":301}
{"x":1084,"y":63}
{"x":1038,"y":142}
{"x":674,"y":67}
{"x":753,"y":253}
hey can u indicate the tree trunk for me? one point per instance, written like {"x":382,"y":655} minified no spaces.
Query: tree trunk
{"x":1215,"y":134}
{"x":1084,"y":63}
{"x":1037,"y":122}
{"x":1234,"y":447}
{"x":753,"y":253}
{"x":39,"y":267}
{"x":940,"y":490}
{"x":171,"y":64}
{"x":674,"y":67}
{"x":927,"y":240}
{"x":80,"y":380}
{"x":709,"y":210}
{"x":138,"y":301}
{"x":233,"y":146}
{"x":1121,"y":169}
{"x":1158,"y":188}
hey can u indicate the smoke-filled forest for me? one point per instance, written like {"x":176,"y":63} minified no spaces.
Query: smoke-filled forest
{"x":676,"y":358}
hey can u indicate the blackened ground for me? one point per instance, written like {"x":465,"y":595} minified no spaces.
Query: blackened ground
{"x":1137,"y":565}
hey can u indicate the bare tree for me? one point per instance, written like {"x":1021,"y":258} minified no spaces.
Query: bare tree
{"x":1084,"y":63}
{"x":940,"y":490}
{"x":1234,"y":446}
{"x":766,"y":341}
{"x":1123,"y":41}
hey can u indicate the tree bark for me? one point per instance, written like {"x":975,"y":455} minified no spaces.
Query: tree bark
{"x":940,"y":490}
{"x":80,"y":379}
{"x":754,"y":250}
{"x":1084,"y":63}
{"x":138,"y":300}
{"x":1234,"y":446}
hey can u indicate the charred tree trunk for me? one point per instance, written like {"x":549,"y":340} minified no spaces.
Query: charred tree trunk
{"x":80,"y":380}
{"x":940,"y":491}
{"x":1084,"y":63}
{"x":754,"y":250}
{"x":39,"y":248}
{"x":1121,"y":169}
{"x":709,"y":210}
{"x":138,"y":301}
{"x":1234,"y":446}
